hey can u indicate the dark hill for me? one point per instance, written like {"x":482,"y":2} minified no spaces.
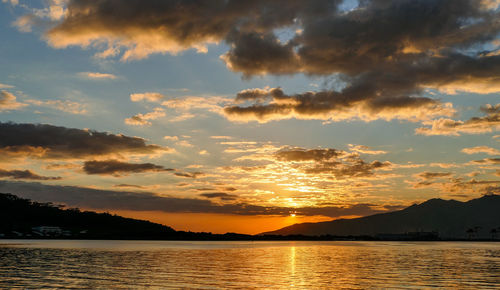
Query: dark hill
{"x":19,"y":216}
{"x":450,"y":218}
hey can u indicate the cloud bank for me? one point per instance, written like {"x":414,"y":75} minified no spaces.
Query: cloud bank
{"x":25,"y":174}
{"x":115,"y":167}
{"x":385,"y":53}
{"x":53,"y":142}
{"x":74,"y":196}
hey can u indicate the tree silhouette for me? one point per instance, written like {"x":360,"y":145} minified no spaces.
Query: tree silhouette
{"x":493,"y":233}
{"x":470,"y":233}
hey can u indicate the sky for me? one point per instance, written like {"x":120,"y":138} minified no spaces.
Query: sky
{"x":248,"y":116}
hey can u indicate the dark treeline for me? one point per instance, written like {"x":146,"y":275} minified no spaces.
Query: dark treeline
{"x":22,"y":215}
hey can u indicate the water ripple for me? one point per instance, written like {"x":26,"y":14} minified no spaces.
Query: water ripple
{"x":279,"y":265}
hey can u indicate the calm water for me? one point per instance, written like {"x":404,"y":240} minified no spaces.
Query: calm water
{"x":208,"y":265}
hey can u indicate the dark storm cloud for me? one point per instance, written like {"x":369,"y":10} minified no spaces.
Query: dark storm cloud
{"x":116,"y":167}
{"x":122,"y":200}
{"x":47,"y":141}
{"x":25,"y":174}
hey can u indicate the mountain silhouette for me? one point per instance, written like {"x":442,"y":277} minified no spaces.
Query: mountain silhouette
{"x":451,"y":219}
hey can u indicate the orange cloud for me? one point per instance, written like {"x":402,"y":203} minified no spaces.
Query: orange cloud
{"x":481,"y":149}
{"x":98,"y":75}
{"x":143,"y":119}
{"x":365,"y":150}
{"x":9,"y":102}
{"x":148,"y":96}
{"x":476,"y":125}
{"x":4,"y":86}
{"x":61,"y":105}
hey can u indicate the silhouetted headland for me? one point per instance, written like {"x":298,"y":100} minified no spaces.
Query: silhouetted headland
{"x":435,"y":219}
{"x":477,"y":219}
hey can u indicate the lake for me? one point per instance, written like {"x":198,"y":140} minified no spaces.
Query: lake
{"x":249,"y":265}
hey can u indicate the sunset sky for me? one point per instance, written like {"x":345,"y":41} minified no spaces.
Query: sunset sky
{"x":247,"y":116}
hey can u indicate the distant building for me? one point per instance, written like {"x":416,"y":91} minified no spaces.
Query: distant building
{"x":47,"y":230}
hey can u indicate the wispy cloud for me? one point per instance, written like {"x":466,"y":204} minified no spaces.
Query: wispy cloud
{"x":365,"y":150}
{"x":143,"y":119}
{"x":98,"y":75}
{"x":481,"y":149}
{"x":184,"y":143}
{"x":171,"y":138}
{"x":12,"y":2}
{"x":148,"y":96}
{"x":61,"y":105}
{"x":4,"y":86}
{"x":221,"y":137}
